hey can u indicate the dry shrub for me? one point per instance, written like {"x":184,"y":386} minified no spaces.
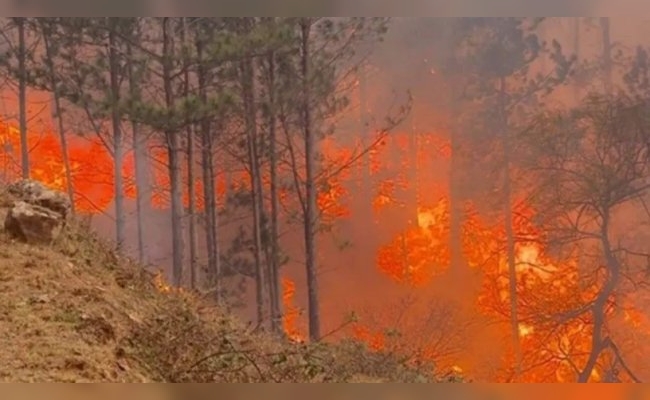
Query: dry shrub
{"x":176,"y":344}
{"x":85,"y":246}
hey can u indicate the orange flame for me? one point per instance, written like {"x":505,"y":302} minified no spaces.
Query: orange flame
{"x":291,"y":312}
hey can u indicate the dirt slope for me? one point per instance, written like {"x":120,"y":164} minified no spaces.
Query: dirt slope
{"x":75,"y":312}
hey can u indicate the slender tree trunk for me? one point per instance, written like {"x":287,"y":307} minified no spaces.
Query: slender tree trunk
{"x":248,"y":87}
{"x":118,"y":147}
{"x":142,"y":185}
{"x":191,"y":206}
{"x":46,"y":32}
{"x":510,"y":234}
{"x":22,"y":97}
{"x":274,"y":264}
{"x":212,"y":207}
{"x":143,"y":193}
{"x":607,"y":54}
{"x":208,"y":174}
{"x":310,"y":214}
{"x":175,"y":154}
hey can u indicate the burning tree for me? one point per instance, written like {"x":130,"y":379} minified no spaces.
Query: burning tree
{"x":488,"y":66}
{"x":498,"y":54}
{"x":591,"y":165}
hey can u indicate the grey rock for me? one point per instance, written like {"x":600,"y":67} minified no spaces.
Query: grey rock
{"x":39,"y":213}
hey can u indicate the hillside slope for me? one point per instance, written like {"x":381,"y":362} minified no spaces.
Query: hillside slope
{"x":73,"y":311}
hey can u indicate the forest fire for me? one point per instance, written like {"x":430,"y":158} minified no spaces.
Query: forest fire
{"x":478,"y":206}
{"x":415,"y":257}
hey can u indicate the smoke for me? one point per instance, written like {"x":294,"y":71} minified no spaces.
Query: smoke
{"x":157,"y":228}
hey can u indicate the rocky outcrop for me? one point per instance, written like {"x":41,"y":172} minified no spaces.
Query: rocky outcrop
{"x":35,"y":193}
{"x":38,"y":214}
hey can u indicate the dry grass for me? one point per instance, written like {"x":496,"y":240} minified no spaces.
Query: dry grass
{"x":75,"y":312}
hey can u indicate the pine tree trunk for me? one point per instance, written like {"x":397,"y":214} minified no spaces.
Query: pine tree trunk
{"x":274,"y":262}
{"x":209,"y":176}
{"x":22,"y":97}
{"x":143,"y":194}
{"x":191,"y":206}
{"x":248,"y":94}
{"x":118,"y":150}
{"x":175,"y":154}
{"x":310,"y":215}
{"x":142,"y":184}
